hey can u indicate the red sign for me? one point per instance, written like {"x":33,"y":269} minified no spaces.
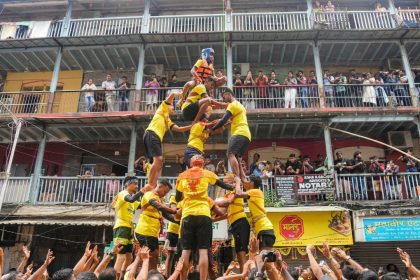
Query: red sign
{"x":291,"y":227}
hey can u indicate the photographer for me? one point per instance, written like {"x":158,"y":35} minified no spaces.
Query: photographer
{"x":341,"y":92}
{"x":278,"y":168}
{"x":303,"y":91}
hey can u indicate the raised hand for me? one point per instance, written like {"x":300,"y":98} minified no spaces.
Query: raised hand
{"x":326,"y":250}
{"x":144,"y":253}
{"x":50,"y":257}
{"x":117,"y":248}
{"x":88,"y":251}
{"x":26,"y":252}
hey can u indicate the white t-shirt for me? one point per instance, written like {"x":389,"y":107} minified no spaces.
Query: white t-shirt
{"x":89,"y":89}
{"x":109,"y":85}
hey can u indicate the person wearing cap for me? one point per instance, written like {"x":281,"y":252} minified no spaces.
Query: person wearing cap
{"x":153,"y":137}
{"x":198,"y":101}
{"x":196,"y":226}
{"x":125,"y":204}
{"x":262,"y":226}
{"x":153,"y":210}
{"x":239,"y":130}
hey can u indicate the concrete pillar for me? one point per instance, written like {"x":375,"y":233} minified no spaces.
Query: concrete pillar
{"x":54,"y":79}
{"x":309,"y":11}
{"x":66,"y":21}
{"x":146,"y":17}
{"x":132,"y":151}
{"x":408,"y":73}
{"x":328,"y":147}
{"x":229,"y":65}
{"x":319,"y":74}
{"x":38,"y":164}
{"x":139,"y":77}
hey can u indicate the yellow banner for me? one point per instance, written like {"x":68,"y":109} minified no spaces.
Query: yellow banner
{"x":302,"y":228}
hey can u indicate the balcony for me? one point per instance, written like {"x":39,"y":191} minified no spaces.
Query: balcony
{"x":238,"y":22}
{"x":301,"y":98}
{"x":341,"y":188}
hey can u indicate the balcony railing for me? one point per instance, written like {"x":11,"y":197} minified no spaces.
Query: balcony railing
{"x":292,"y":189}
{"x":409,"y":15}
{"x":187,"y":24}
{"x":270,"y":21}
{"x":356,"y":20}
{"x":302,"y":97}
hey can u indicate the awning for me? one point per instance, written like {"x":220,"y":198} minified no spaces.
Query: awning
{"x":74,"y":222}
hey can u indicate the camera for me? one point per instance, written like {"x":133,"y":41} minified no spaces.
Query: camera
{"x":269,"y":256}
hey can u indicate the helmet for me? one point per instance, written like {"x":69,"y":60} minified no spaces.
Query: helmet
{"x":205,"y":54}
{"x":197,"y":160}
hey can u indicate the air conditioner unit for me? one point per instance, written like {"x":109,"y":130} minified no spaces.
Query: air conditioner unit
{"x":242,"y":68}
{"x":153,"y":68}
{"x":400,"y":139}
{"x":395,"y":64}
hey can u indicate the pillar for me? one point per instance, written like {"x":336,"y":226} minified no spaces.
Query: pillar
{"x":132,"y":151}
{"x":139,"y":77}
{"x":229,"y":64}
{"x":393,"y":11}
{"x":54,"y":78}
{"x":146,"y":18}
{"x":408,"y":73}
{"x":38,"y":164}
{"x":66,"y":21}
{"x":319,"y":74}
{"x":309,"y":12}
{"x":328,"y":147}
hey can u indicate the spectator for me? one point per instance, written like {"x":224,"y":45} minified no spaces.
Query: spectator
{"x":138,"y":165}
{"x":221,"y":169}
{"x":273,"y":91}
{"x":328,"y":89}
{"x":358,"y":182}
{"x":293,"y":166}
{"x":376,"y":167}
{"x":89,"y":91}
{"x":342,"y":167}
{"x":303,"y":91}
{"x":163,"y":83}
{"x":262,"y":81}
{"x":238,"y":83}
{"x":278,"y":168}
{"x":391,"y":180}
{"x":112,"y":188}
{"x":248,"y":92}
{"x":176,"y":85}
{"x":318,"y":163}
{"x":290,"y":92}
{"x":307,"y":168}
{"x":379,"y":8}
{"x":381,"y":96}
{"x":369,"y":94}
{"x":409,"y":163}
{"x":267,"y":173}
{"x":110,"y":96}
{"x":258,"y":172}
{"x":208,"y":164}
{"x":313,"y":89}
{"x":124,"y":93}
{"x":356,"y":90}
{"x":341,"y":92}
{"x":152,"y":94}
{"x":401,"y":93}
{"x":254,"y":164}
{"x":329,"y":7}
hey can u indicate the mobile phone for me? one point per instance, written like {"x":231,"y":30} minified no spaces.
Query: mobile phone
{"x":269,"y":256}
{"x":108,"y":249}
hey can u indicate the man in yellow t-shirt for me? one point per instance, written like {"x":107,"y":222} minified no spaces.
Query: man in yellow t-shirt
{"x":172,"y":236}
{"x":153,"y":137}
{"x":125,"y":204}
{"x":239,"y":130}
{"x":149,"y":224}
{"x":262,"y":226}
{"x":196,"y":226}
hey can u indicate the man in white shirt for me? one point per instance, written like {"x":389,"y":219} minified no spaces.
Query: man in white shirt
{"x":89,"y":91}
{"x":110,"y":96}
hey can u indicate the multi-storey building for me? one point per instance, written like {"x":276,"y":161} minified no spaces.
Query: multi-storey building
{"x":49,"y":50}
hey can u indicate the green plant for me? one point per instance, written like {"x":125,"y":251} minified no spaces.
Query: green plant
{"x":271,"y":199}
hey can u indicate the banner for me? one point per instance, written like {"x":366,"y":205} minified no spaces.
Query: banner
{"x":391,"y":229}
{"x":220,"y":231}
{"x":285,"y":187}
{"x":313,"y":184}
{"x":302,"y":228}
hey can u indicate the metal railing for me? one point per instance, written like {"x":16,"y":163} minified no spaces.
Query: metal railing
{"x":393,"y":186}
{"x":55,"y":29}
{"x":410,"y":15}
{"x":34,"y":102}
{"x":356,"y":20}
{"x":332,"y":20}
{"x":270,"y":21}
{"x":187,"y":24}
{"x":18,"y":190}
{"x":105,"y":26}
{"x":367,"y":96}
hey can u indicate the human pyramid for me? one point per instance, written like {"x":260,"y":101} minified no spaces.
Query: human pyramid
{"x":190,"y":210}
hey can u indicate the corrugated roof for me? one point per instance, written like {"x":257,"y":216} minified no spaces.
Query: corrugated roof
{"x":75,"y":222}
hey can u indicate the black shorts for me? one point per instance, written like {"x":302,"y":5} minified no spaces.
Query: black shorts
{"x":240,"y":230}
{"x":266,"y":238}
{"x":173,"y":239}
{"x":196,"y":232}
{"x":189,"y":153}
{"x":238,"y":145}
{"x":124,"y":236}
{"x":152,"y":144}
{"x":190,"y":111}
{"x":150,"y":241}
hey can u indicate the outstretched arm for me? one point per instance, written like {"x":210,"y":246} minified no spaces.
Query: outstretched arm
{"x":172,"y":96}
{"x":406,"y":259}
{"x":78,"y":268}
{"x":135,"y":197}
{"x":38,"y":274}
{"x":312,"y":261}
{"x":24,"y":262}
{"x":223,"y":185}
{"x":181,"y":128}
{"x":223,"y":121}
{"x":161,"y":207}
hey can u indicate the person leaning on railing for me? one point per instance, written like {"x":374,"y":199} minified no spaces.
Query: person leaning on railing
{"x":89,"y":92}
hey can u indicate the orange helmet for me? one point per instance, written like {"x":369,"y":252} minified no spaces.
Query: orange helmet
{"x":197,"y":160}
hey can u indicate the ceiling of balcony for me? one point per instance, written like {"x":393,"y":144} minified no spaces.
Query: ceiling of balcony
{"x":181,"y":57}
{"x":14,"y":10}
